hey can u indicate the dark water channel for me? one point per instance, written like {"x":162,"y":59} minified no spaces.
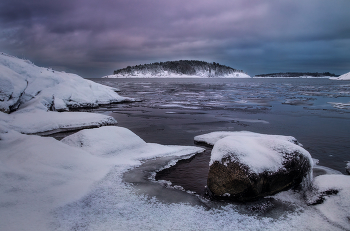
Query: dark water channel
{"x":173,"y":111}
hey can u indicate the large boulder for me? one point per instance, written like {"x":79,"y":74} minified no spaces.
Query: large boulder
{"x":248,"y":166}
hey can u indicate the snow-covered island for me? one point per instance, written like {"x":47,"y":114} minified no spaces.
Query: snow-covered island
{"x":179,"y":69}
{"x":345,"y":76}
{"x":77,"y":183}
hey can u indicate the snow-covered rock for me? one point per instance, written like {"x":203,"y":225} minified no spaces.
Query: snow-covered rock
{"x":34,"y":96}
{"x":247,"y":166}
{"x":347,"y":168}
{"x":330,"y":194}
{"x":24,"y":85}
{"x":345,"y":76}
{"x":212,"y":137}
{"x":40,"y":174}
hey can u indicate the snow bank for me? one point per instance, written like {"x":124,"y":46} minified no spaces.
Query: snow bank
{"x":33,"y":95}
{"x":213,"y":137}
{"x":342,"y":77}
{"x":40,"y":174}
{"x":333,"y":192}
{"x":24,"y":85}
{"x":259,"y":152}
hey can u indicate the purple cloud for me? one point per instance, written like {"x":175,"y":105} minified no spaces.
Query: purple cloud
{"x":92,"y":38}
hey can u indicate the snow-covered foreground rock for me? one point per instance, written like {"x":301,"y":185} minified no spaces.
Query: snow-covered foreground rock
{"x":40,"y":174}
{"x":345,"y":76}
{"x":246,"y":166}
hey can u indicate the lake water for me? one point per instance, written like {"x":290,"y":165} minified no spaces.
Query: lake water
{"x":173,"y":111}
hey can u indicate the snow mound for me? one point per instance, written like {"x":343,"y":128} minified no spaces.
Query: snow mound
{"x":38,"y":174}
{"x":331,"y":194}
{"x":348,"y":167}
{"x":121,"y":143}
{"x":213,"y":137}
{"x":24,"y":85}
{"x":258,"y":152}
{"x":342,"y":77}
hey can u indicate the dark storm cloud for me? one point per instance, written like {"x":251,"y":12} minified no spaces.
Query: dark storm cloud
{"x":92,"y":38}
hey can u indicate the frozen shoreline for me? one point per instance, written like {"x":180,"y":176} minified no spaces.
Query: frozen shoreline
{"x":78,"y":183}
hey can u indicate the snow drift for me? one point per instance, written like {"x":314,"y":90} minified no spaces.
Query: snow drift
{"x":38,"y":174}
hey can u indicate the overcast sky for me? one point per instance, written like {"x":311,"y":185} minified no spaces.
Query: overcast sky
{"x":94,"y":37}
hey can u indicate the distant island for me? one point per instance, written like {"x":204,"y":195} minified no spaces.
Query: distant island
{"x":179,"y":69}
{"x":297,"y":75}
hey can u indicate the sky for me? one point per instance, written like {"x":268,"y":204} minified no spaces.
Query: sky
{"x":92,"y":38}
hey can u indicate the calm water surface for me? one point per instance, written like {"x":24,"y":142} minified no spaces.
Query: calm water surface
{"x":173,"y":111}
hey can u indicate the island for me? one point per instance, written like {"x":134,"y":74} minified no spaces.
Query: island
{"x":179,"y":69}
{"x":297,"y":75}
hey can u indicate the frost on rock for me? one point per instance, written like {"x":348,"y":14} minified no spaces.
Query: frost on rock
{"x":330,"y":194}
{"x":249,"y":165}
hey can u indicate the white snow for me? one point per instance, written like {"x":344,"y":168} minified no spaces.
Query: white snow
{"x":31,"y":87}
{"x":34,"y":94}
{"x":348,"y":167}
{"x":336,"y":207}
{"x":39,"y":174}
{"x":212,"y":137}
{"x":258,"y":152}
{"x":345,"y":76}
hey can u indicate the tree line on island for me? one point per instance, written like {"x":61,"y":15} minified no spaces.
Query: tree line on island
{"x":182,"y":67}
{"x":298,"y":74}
